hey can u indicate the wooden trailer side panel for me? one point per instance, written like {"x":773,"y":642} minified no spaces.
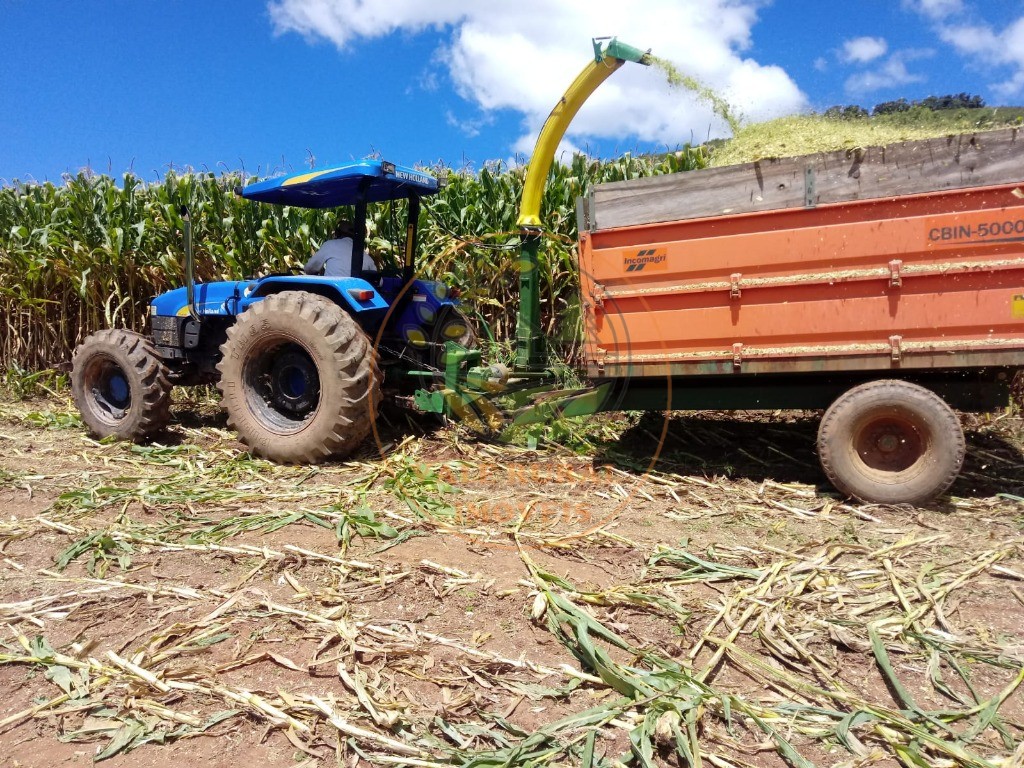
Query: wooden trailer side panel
{"x":914,"y":167}
{"x":929,"y":280}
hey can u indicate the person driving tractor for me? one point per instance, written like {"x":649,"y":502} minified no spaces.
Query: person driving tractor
{"x":334,"y":257}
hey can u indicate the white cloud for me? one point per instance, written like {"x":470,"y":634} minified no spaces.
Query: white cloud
{"x":471,"y":127}
{"x":935,"y":9}
{"x":522,"y":55}
{"x":891,"y":73}
{"x":342,"y":21}
{"x":987,"y":46}
{"x":861,"y":50}
{"x":974,"y":41}
{"x":962,"y":25}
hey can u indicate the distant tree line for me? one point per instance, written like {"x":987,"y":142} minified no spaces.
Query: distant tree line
{"x":934,"y":103}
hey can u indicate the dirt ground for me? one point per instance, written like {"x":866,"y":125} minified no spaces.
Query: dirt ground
{"x":443,"y":599}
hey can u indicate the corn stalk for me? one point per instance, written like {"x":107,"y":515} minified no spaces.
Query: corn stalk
{"x":90,"y":252}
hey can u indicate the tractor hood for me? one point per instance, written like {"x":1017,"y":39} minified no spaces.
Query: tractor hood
{"x":373,"y":180}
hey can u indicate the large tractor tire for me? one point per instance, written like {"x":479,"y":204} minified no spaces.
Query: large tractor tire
{"x":299,"y":378}
{"x":120,"y":385}
{"x":891,"y":442}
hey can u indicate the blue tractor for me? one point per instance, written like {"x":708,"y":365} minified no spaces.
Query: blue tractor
{"x":302,"y":362}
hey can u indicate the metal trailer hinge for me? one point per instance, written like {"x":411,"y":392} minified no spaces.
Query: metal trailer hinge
{"x":737,"y":355}
{"x":734,"y":285}
{"x":895,"y":278}
{"x":896,"y":348}
{"x":810,"y":184}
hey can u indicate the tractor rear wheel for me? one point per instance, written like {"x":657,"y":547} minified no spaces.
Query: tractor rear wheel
{"x":120,"y":385}
{"x":891,"y":442}
{"x":299,"y":379}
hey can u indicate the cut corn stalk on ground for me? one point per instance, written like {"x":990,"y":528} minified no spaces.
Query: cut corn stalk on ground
{"x":154,"y":596}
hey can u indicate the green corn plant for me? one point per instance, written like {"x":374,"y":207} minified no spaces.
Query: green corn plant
{"x":89,"y":252}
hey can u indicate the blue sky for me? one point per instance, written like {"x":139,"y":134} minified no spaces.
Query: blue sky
{"x":274,"y":86}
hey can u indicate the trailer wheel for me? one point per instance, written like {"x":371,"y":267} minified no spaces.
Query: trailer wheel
{"x":120,"y":385}
{"x":299,"y":379}
{"x":891,"y":442}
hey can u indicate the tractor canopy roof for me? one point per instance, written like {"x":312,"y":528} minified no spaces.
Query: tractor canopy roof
{"x":373,"y":180}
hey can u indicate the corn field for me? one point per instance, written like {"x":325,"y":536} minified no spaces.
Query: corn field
{"x":91,"y":252}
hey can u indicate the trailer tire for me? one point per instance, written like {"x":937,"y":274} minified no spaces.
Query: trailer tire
{"x":299,"y":379}
{"x":120,"y":385}
{"x":891,"y":442}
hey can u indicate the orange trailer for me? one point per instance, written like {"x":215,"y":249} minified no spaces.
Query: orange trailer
{"x":884,"y":283}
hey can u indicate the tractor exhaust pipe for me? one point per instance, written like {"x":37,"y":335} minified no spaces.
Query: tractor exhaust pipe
{"x":190,"y":278}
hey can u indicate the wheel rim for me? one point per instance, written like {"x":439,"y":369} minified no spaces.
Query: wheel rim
{"x":891,"y":444}
{"x":282,"y":386}
{"x":108,"y":389}
{"x":453,"y":327}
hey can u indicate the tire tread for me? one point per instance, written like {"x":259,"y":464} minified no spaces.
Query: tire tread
{"x":833,"y":436}
{"x":150,"y":413}
{"x":349,"y":420}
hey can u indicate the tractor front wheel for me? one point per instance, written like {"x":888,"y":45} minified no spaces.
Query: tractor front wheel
{"x":299,"y":379}
{"x":120,"y":385}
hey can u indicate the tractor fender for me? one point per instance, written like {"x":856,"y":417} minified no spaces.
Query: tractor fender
{"x":346,"y":292}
